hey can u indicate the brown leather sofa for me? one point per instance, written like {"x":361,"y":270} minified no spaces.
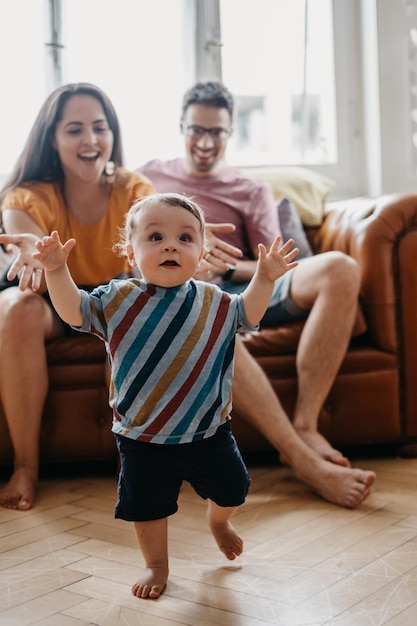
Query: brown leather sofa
{"x":374,"y":397}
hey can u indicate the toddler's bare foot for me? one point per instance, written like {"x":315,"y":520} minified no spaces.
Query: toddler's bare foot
{"x":19,"y":492}
{"x":227,"y":539}
{"x":151,"y":584}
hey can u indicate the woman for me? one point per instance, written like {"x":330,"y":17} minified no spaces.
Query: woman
{"x":69,"y":177}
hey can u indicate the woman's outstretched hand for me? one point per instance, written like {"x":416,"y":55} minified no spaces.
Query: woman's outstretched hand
{"x":24,"y":267}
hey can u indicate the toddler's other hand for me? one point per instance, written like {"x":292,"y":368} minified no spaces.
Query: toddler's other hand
{"x":279,"y":259}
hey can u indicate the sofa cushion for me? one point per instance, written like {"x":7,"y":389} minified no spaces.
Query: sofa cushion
{"x":306,"y":188}
{"x":77,"y":348}
{"x":292,"y":227}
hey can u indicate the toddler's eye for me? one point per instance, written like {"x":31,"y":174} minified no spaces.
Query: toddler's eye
{"x":155,"y":237}
{"x":185,"y":238}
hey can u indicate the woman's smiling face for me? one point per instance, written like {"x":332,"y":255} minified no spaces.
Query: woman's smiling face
{"x":83,"y":139}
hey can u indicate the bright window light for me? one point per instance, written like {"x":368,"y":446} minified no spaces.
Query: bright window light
{"x":277,"y":58}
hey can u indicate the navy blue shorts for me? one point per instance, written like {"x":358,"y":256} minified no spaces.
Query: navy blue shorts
{"x":151,"y":474}
{"x":282,"y":308}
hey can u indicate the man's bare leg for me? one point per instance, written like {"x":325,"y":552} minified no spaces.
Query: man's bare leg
{"x":255,"y":399}
{"x":25,"y":321}
{"x":224,"y":533}
{"x":153,"y":541}
{"x":327,"y":284}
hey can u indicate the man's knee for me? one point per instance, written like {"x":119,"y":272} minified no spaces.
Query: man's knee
{"x":332,"y":275}
{"x":344,"y":272}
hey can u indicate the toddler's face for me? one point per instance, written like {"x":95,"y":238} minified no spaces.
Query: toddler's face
{"x":166,"y":245}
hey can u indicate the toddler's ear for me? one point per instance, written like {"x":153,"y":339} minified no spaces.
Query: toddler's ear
{"x":130,"y":256}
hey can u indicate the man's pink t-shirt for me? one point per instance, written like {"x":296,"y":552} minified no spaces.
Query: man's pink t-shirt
{"x":226,"y":196}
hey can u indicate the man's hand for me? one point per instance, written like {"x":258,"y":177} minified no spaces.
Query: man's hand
{"x":218,"y":255}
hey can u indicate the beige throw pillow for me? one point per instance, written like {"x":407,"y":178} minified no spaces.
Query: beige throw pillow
{"x":306,"y":188}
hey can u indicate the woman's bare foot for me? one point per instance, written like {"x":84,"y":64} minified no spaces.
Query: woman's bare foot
{"x":19,"y":492}
{"x":151,"y":584}
{"x":340,"y":485}
{"x":227,"y":539}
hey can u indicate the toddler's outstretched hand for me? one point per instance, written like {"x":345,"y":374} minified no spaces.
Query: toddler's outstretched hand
{"x":274,"y":263}
{"x":52,"y":253}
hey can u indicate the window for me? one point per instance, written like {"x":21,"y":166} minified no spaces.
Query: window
{"x":297,"y":104}
{"x":22,"y":74}
{"x":146,"y":53}
{"x":279,"y":65}
{"x":139,"y":51}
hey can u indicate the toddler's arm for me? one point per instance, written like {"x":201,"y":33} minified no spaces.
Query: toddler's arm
{"x":270,"y":266}
{"x":64,"y":293}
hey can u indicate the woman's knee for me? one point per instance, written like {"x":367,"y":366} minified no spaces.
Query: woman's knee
{"x":21,"y":312}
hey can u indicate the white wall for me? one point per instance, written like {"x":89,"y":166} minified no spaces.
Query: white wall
{"x":389,"y":40}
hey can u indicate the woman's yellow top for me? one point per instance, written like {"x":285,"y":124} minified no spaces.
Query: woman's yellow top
{"x":92,"y":261}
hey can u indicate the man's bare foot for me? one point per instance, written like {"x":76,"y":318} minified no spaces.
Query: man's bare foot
{"x":19,"y":493}
{"x":317,"y":442}
{"x":151,"y":584}
{"x":340,"y":485}
{"x":227,"y":539}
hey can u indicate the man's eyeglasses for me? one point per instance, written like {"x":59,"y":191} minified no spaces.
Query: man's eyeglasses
{"x":218,"y":135}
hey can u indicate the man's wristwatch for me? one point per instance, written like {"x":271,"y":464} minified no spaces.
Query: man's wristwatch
{"x":228,"y":275}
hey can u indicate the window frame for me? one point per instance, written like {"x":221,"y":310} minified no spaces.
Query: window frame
{"x":349,"y":170}
{"x":374,"y":131}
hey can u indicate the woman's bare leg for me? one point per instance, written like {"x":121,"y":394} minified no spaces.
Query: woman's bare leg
{"x":153,"y":541}
{"x":26,"y":321}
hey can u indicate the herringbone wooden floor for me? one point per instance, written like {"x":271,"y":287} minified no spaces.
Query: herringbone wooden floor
{"x":68,"y":562}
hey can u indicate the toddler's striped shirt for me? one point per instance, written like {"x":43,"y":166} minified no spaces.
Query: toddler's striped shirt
{"x":171,"y":353}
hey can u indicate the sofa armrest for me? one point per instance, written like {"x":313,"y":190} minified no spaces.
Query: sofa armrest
{"x":381,"y":234}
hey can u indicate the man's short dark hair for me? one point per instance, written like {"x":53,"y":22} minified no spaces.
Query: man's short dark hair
{"x":211,"y":94}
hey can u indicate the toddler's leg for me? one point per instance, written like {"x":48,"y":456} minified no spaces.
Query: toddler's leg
{"x":225,"y":535}
{"x":153,"y":541}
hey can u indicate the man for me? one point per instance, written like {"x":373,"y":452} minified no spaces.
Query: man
{"x":322,"y":289}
